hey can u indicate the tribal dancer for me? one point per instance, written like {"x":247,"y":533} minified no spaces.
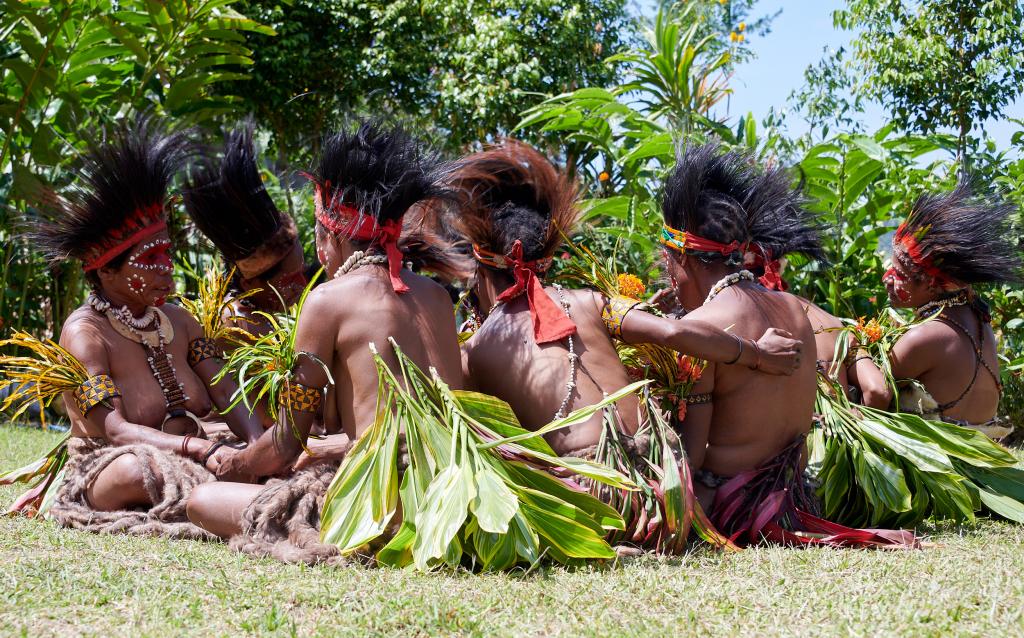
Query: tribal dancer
{"x":746,"y":445}
{"x":136,"y":448}
{"x":365,"y":183}
{"x":948,"y":244}
{"x":546,"y":350}
{"x":230,"y":205}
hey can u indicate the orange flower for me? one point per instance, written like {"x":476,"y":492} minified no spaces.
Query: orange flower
{"x":631,"y":286}
{"x":740,"y":38}
{"x":733,"y":36}
{"x":873,"y":331}
{"x":741,"y":26}
{"x":690,"y":369}
{"x":681,"y":410}
{"x":604,"y":176}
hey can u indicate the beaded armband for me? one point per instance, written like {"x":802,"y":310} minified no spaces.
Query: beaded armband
{"x":94,"y":391}
{"x":615,"y":312}
{"x":302,"y":397}
{"x":698,"y":399}
{"x":201,"y":349}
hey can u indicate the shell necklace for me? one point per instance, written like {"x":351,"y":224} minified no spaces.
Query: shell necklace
{"x":727,"y":281}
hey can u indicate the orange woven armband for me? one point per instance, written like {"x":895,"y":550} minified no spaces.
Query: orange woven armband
{"x":302,"y":398}
{"x":94,"y":391}
{"x":200,"y":350}
{"x":615,"y":312}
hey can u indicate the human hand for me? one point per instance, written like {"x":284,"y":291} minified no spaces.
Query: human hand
{"x":779,"y":353}
{"x":228,"y":464}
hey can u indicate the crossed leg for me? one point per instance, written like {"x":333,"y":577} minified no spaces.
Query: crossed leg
{"x":121,"y":485}
{"x":218,"y":507}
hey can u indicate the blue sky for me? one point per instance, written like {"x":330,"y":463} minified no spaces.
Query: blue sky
{"x":798,"y":38}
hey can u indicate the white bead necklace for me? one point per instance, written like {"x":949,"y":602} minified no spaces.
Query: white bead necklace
{"x":358,"y":260}
{"x":123,"y":314}
{"x":727,"y":281}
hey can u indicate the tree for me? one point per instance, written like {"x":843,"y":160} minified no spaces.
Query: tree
{"x":938,"y":64}
{"x":459,"y":70}
{"x":67,"y":68}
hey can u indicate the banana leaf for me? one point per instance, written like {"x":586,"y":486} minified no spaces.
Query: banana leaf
{"x":477,"y":490}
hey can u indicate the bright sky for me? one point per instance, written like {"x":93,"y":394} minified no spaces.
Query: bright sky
{"x":798,"y":38}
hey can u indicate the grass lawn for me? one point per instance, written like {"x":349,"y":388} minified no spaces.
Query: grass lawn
{"x":64,"y":582}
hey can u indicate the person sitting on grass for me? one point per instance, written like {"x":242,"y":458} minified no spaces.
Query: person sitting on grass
{"x":948,"y":244}
{"x":745,"y":433}
{"x":365,"y":181}
{"x":136,"y":448}
{"x":547,"y":350}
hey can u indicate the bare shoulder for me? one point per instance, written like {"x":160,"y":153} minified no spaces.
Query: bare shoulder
{"x":182,"y":320}
{"x":928,"y":335}
{"x":587,"y":298}
{"x":83,"y":336}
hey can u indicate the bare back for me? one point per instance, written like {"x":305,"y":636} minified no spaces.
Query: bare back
{"x":504,"y":360}
{"x":361,"y":308}
{"x":753,"y":416}
{"x":941,"y":355}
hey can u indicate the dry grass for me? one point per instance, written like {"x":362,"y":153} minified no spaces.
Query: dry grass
{"x":63,"y":582}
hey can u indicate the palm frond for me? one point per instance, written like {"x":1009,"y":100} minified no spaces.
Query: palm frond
{"x":40,"y":378}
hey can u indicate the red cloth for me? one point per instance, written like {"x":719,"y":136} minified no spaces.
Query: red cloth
{"x":760,"y":257}
{"x":763,"y":504}
{"x":349,"y":222}
{"x":550,"y":322}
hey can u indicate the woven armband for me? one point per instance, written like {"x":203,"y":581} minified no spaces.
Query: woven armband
{"x":302,"y":398}
{"x":698,"y":399}
{"x":94,"y":391}
{"x":615,"y":312}
{"x":200,"y":350}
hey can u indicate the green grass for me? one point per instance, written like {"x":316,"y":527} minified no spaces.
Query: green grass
{"x":56,"y":581}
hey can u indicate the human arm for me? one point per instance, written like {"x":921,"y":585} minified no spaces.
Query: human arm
{"x":278,"y":447}
{"x":107,"y":416}
{"x":776,"y":352}
{"x":866,"y":376}
{"x":205,"y":360}
{"x":696,"y":423}
{"x":328,"y":448}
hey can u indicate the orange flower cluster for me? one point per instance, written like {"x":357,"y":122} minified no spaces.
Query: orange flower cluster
{"x":690,"y":369}
{"x":871,"y":330}
{"x":604,"y":176}
{"x":631,"y":286}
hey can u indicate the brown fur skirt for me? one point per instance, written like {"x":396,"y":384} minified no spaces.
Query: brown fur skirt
{"x":168,"y":479}
{"x":283,"y":521}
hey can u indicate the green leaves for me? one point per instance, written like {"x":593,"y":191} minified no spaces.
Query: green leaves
{"x":879,"y":468}
{"x":476,"y":488}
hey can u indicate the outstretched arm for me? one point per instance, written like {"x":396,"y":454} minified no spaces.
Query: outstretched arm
{"x":865,"y":375}
{"x":776,"y":352}
{"x":278,"y":448}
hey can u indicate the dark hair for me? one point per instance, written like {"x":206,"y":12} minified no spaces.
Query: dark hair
{"x":966,"y":234}
{"x":380,"y":172}
{"x":130,"y":168}
{"x":512,"y":193}
{"x":724,"y":197}
{"x":229,"y":203}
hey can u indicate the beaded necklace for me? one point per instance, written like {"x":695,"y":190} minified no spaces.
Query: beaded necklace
{"x":727,"y":281}
{"x":926,"y":310}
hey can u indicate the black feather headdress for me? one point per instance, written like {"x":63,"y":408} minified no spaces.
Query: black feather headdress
{"x":960,"y":237}
{"x":120,"y":197}
{"x":375,"y":172}
{"x":230,"y":205}
{"x":726,"y":198}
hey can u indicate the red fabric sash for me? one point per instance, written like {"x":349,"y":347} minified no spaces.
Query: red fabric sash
{"x":350,"y":223}
{"x":760,"y":257}
{"x":549,"y":321}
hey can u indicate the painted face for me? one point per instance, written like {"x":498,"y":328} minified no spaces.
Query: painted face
{"x":289,"y":276}
{"x":147,"y":273}
{"x":904,"y":289}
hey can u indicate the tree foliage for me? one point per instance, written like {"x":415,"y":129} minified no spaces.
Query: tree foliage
{"x":460,"y":70}
{"x":935,"y":65}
